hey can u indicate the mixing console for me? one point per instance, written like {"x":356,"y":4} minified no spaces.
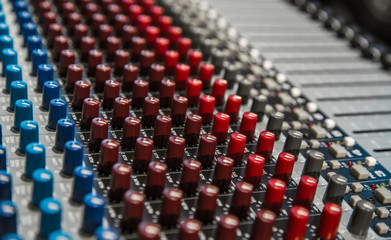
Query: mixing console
{"x":144,"y":119}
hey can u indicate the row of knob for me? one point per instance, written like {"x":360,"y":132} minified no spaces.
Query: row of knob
{"x":35,"y":152}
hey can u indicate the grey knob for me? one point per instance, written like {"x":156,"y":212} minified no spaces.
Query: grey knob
{"x":274,"y":124}
{"x":293,"y":142}
{"x":313,"y":164}
{"x":361,"y":219}
{"x":335,"y":191}
{"x":258,"y":106}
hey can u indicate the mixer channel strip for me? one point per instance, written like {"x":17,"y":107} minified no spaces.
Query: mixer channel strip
{"x":136,"y":119}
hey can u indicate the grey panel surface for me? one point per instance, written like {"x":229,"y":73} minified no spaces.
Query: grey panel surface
{"x":326,"y":68}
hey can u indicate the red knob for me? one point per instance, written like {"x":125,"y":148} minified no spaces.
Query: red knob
{"x":265,"y":145}
{"x":297,"y":223}
{"x":254,"y":169}
{"x":109,"y":150}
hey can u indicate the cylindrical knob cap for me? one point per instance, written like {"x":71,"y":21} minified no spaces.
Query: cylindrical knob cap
{"x":293,"y":142}
{"x":329,"y":221}
{"x":207,"y":203}
{"x":274,"y":123}
{"x":226,"y":229}
{"x":297,"y":223}
{"x":94,"y":206}
{"x":263,"y":225}
{"x":274,"y":195}
{"x":313,"y":164}
{"x":50,"y":216}
{"x":82,"y":184}
{"x":335,"y":190}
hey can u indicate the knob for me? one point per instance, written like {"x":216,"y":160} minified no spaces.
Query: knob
{"x":207,"y":203}
{"x":42,"y":185}
{"x":274,"y":196}
{"x":50,"y":216}
{"x":82,"y":184}
{"x":73,"y":156}
{"x":361,"y":218}
{"x":329,"y":221}
{"x":44,"y":73}
{"x":171,"y":207}
{"x":12,"y":73}
{"x":51,"y":90}
{"x":120,"y":181}
{"x":8,"y":215}
{"x":226,"y":229}
{"x":263,"y":225}
{"x":306,"y":192}
{"x":65,"y":131}
{"x":313,"y":164}
{"x":254,"y":170}
{"x":265,"y":145}
{"x":23,"y":111}
{"x":93,"y":213}
{"x":132,"y":212}
{"x":274,"y":124}
{"x":35,"y":158}
{"x":293,"y":143}
{"x":156,"y":179}
{"x":297,"y":223}
{"x":190,"y":176}
{"x":223,"y":172}
{"x":28,"y":134}
{"x":284,"y":167}
{"x":57,"y":110}
{"x":5,"y":186}
{"x":241,"y":199}
{"x":248,"y":125}
{"x":335,"y":190}
{"x":220,"y":127}
{"x":18,"y":91}
{"x":109,"y":151}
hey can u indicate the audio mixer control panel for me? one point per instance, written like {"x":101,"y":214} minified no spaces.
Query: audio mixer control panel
{"x":144,"y":119}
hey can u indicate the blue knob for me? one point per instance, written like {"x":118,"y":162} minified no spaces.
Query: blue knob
{"x":6,"y":186}
{"x":28,"y":29}
{"x":65,"y":131}
{"x":12,"y":73}
{"x":18,"y":91}
{"x":2,"y":17}
{"x":23,"y":111}
{"x":42,"y":185}
{"x":51,"y":90}
{"x":7,"y":218}
{"x":93,"y":212}
{"x":39,"y":56}
{"x":106,"y":234}
{"x":50,"y":216}
{"x":35,"y":158}
{"x":45,"y":73}
{"x":3,"y":158}
{"x":4,"y":29}
{"x":8,"y":56}
{"x":20,"y":6}
{"x":5,"y":42}
{"x":12,"y":236}
{"x":33,"y":42}
{"x":59,"y":235}
{"x":28,"y":134}
{"x":73,"y":156}
{"x":82,"y":185}
{"x":57,"y":110}
{"x":24,"y":17}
